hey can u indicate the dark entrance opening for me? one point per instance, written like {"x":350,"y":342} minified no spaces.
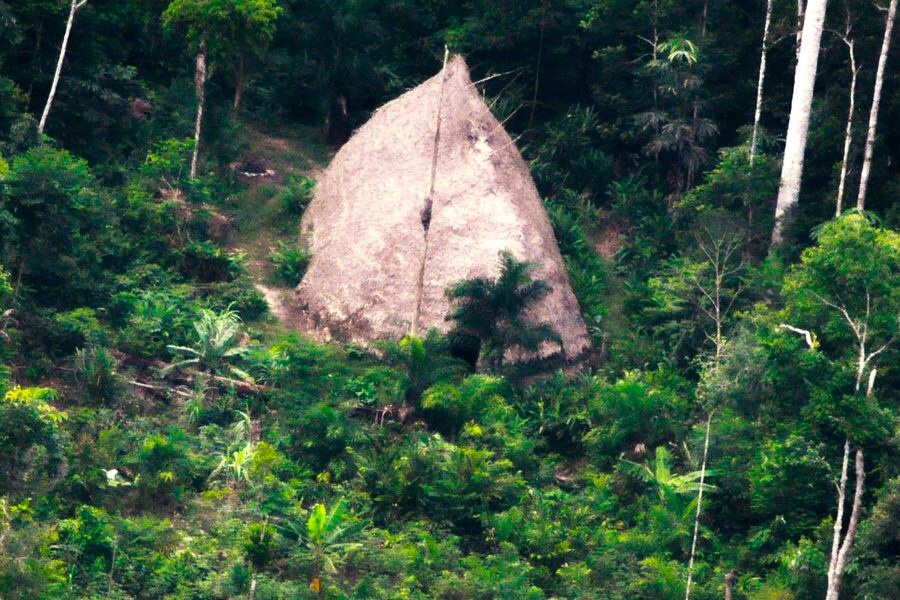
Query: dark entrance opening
{"x":465,"y":348}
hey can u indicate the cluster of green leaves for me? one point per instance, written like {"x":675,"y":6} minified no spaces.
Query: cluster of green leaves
{"x":290,"y":263}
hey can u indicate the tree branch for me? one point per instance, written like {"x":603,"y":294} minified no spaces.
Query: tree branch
{"x":804,"y":332}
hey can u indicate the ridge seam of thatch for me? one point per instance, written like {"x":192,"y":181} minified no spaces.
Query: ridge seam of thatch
{"x":429,"y":201}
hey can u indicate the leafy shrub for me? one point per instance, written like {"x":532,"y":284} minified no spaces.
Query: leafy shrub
{"x":448,"y":406}
{"x":587,"y":271}
{"x":640,"y":408}
{"x":468,"y":482}
{"x":501,"y":575}
{"x":559,"y":408}
{"x":86,"y":543}
{"x":63,"y":225}
{"x":29,"y":434}
{"x":290,"y":263}
{"x":296,"y":195}
{"x":321,"y":435}
{"x":297,"y":363}
{"x":425,"y":362}
{"x":218,"y":345}
{"x":566,"y":153}
{"x":553,"y":527}
{"x":164,"y":468}
{"x":155,"y":319}
{"x":377,"y":386}
{"x":76,"y":328}
{"x":259,"y":545}
{"x":168,"y":162}
{"x":239,"y":295}
{"x":209,"y":263}
{"x":97,"y":370}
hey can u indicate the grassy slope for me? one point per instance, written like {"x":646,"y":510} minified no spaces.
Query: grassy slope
{"x":259,"y":222}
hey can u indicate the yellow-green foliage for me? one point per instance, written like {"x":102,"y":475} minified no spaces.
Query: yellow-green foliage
{"x":37,"y":400}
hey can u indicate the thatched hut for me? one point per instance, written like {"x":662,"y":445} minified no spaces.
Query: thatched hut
{"x":428,"y":192}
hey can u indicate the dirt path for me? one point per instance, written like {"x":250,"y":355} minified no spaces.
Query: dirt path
{"x":261,"y":222}
{"x":277,"y":301}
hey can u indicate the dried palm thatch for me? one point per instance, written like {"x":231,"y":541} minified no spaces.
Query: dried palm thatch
{"x":427,"y":193}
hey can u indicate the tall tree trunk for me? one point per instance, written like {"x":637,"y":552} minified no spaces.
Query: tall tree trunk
{"x":730,"y":580}
{"x":239,"y":84}
{"x":798,"y":126}
{"x":253,"y":584}
{"x":848,"y":132}
{"x":839,"y":517}
{"x":800,"y":14}
{"x":73,"y":8}
{"x":200,"y":85}
{"x":876,"y":102}
{"x":840,"y":549}
{"x":690,"y":576}
{"x":757,"y":115}
{"x":836,"y":574}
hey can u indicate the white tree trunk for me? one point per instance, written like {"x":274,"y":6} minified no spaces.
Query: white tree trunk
{"x":757,"y":115}
{"x":876,"y":102}
{"x":200,"y":84}
{"x":839,"y":517}
{"x":836,"y":575}
{"x":690,"y":576}
{"x":840,"y":550}
{"x":798,"y":126}
{"x":848,"y":132}
{"x":73,"y":8}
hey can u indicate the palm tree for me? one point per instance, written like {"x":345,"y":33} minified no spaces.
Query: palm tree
{"x":674,"y":122}
{"x":492,"y":312}
{"x":218,"y":344}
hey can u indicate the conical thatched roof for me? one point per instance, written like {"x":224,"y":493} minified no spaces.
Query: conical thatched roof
{"x":427,"y":193}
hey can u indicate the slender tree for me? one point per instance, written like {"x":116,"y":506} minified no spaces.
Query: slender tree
{"x":251,"y":28}
{"x":876,"y":103}
{"x":690,"y":576}
{"x":840,"y":548}
{"x":848,"y":131}
{"x":798,"y":125}
{"x":757,"y":115}
{"x":200,"y":74}
{"x":73,"y":9}
{"x":848,"y":284}
{"x":222,"y":29}
{"x":197,"y":17}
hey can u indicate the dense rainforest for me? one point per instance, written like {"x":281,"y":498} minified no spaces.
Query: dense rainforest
{"x":721,"y":179}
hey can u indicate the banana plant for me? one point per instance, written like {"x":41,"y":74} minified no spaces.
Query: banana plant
{"x":326,"y":534}
{"x":668,"y":485}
